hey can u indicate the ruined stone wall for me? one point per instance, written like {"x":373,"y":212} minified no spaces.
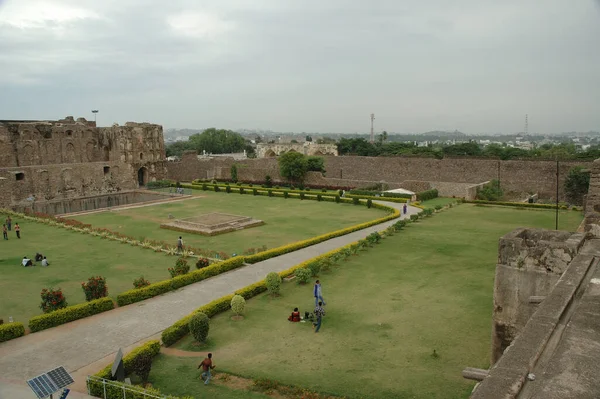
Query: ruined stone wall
{"x":530,"y":262}
{"x":47,"y":160}
{"x":515,"y":176}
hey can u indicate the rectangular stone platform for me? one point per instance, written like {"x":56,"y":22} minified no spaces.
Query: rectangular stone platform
{"x":211,"y":224}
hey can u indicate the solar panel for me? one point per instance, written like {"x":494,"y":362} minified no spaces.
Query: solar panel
{"x":42,"y":386}
{"x":46,"y":384}
{"x":60,"y":377}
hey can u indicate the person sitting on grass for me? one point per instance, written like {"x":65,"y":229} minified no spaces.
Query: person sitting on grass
{"x":45,"y":262}
{"x":26,"y":261}
{"x":295,"y":316}
{"x":38,"y":256}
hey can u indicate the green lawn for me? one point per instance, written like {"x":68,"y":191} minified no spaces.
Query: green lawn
{"x":443,"y":201}
{"x":73,"y":258}
{"x":183,"y":379}
{"x":426,"y":288}
{"x":286,"y":221}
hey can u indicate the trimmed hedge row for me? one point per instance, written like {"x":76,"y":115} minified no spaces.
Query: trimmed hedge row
{"x":371,"y":193}
{"x":517,"y":204}
{"x":96,"y":388}
{"x":70,"y":313}
{"x":152,"y":290}
{"x":373,"y":198}
{"x":315,"y":240}
{"x":427,"y":195}
{"x":11,"y":330}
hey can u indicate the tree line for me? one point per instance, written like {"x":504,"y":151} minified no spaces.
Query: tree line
{"x":213,"y":141}
{"x":563,"y":151}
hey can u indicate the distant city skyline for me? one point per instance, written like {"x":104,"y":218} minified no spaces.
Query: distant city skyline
{"x":470,"y":65}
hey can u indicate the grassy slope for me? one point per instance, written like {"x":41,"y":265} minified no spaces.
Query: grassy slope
{"x":286,"y":221}
{"x":429,"y":287}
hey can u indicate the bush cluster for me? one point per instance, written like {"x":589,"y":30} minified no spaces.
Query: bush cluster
{"x":140,"y":282}
{"x":177,"y":282}
{"x":70,"y":313}
{"x":238,"y":303}
{"x":95,"y":288}
{"x":273,"y":283}
{"x":52,"y":300}
{"x":302,"y":275}
{"x":181,"y":268}
{"x":199,"y":325}
{"x":11,"y":330}
{"x":202,"y":263}
{"x":427,"y":195}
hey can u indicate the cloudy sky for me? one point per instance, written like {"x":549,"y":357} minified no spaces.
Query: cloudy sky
{"x":313,"y":66}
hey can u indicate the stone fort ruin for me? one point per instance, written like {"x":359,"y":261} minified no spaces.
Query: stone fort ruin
{"x":44,"y":163}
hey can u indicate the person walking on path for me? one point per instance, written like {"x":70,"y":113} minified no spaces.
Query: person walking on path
{"x":179,"y":245}
{"x":206,"y":365}
{"x":318,"y":293}
{"x":8,"y":223}
{"x":4,"y":232}
{"x":319,"y":312}
{"x":404,"y":209}
{"x":18,"y":230}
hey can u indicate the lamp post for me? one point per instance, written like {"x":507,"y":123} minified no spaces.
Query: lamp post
{"x":94,"y":111}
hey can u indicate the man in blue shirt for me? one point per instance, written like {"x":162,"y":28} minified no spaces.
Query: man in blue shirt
{"x":318,"y":293}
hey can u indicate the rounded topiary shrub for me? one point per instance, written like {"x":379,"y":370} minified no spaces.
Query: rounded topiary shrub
{"x":273,"y":283}
{"x":369,"y":203}
{"x":238,"y":303}
{"x":202,"y":263}
{"x":302,"y":275}
{"x":199,"y":325}
{"x":95,"y":288}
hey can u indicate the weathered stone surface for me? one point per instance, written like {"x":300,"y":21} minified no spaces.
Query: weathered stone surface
{"x":50,"y":160}
{"x":264,"y":150}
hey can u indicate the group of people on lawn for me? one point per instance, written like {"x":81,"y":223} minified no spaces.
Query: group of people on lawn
{"x":317,"y":315}
{"x":38,"y":258}
{"x":7,"y":226}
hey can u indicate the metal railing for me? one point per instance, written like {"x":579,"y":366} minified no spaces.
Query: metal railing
{"x":110,"y":389}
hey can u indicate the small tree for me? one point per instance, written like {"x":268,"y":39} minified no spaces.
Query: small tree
{"x":490,"y":191}
{"x":576,"y":185}
{"x":199,"y":325}
{"x":52,"y":300}
{"x":369,"y":203}
{"x":273,"y":283}
{"x":238,"y":303}
{"x":141,"y":365}
{"x":315,"y":164}
{"x":293,"y":166}
{"x":268,"y":181}
{"x":95,"y":288}
{"x":315,"y":268}
{"x":234,"y":173}
{"x":302,"y":275}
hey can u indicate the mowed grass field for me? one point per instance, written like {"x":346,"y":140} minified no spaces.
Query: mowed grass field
{"x":286,"y":221}
{"x":426,"y":288}
{"x":74,"y":257}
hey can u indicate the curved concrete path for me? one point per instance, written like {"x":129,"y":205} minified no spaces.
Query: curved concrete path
{"x":83,"y":342}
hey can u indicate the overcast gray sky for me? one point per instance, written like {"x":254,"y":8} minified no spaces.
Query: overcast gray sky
{"x":314,"y":66}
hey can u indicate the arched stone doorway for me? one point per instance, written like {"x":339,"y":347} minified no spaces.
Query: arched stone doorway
{"x":270,"y":154}
{"x":142,"y":177}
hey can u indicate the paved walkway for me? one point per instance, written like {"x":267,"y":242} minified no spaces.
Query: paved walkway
{"x":83,"y":342}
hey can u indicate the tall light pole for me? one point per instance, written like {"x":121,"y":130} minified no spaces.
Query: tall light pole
{"x":94,"y":111}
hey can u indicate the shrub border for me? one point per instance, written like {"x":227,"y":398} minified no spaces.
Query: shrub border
{"x":70,"y":313}
{"x":10,"y":331}
{"x":520,"y":204}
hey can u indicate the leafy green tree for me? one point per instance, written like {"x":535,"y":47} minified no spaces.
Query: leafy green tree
{"x":308,"y":138}
{"x":316,"y":164}
{"x":490,"y":191}
{"x":234,"y":173}
{"x":217,"y":141}
{"x":576,"y":185}
{"x":293,"y":166}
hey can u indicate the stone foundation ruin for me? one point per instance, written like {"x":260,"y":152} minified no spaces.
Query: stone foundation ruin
{"x":211,"y":224}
